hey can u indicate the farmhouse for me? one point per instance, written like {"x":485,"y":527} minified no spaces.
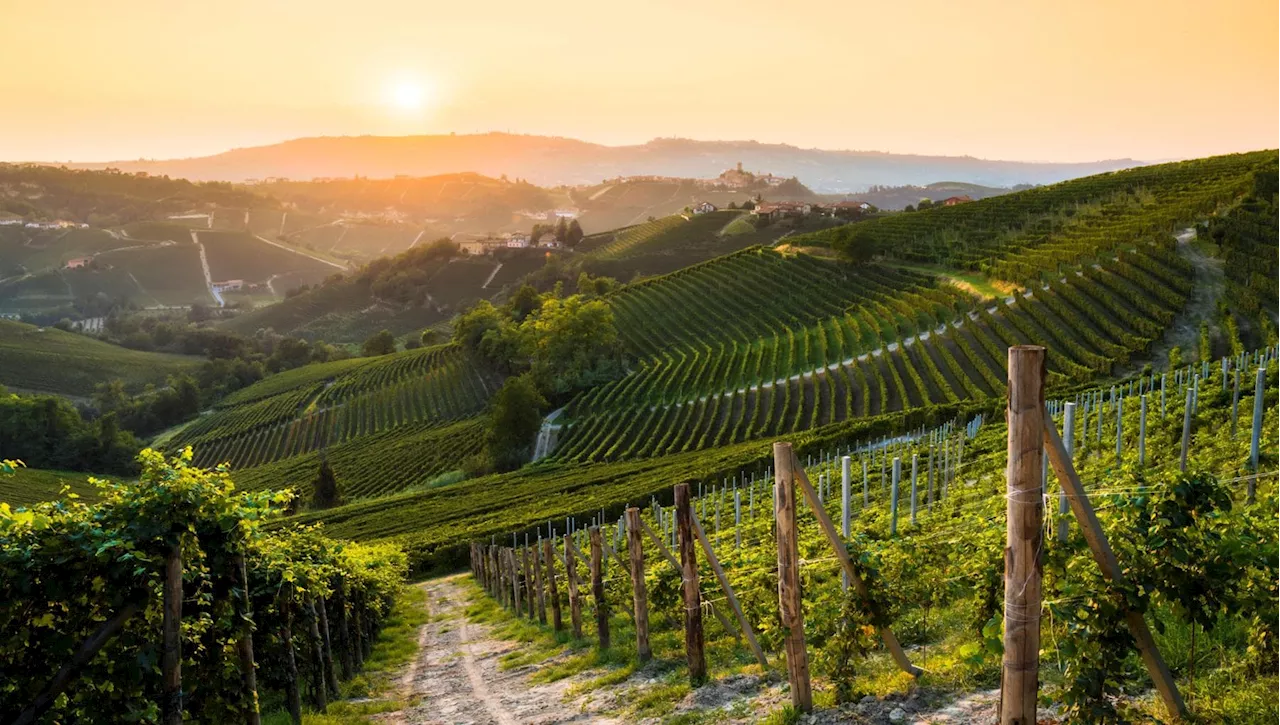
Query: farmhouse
{"x":231,"y":285}
{"x":78,"y":262}
{"x":953,"y":200}
{"x":773,"y":211}
{"x":703,"y":207}
{"x":549,"y":241}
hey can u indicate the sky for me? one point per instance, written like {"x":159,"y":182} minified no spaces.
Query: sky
{"x":88,"y":80}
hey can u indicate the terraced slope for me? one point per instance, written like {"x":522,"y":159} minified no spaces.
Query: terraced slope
{"x":1092,"y":319}
{"x":359,"y":410}
{"x":1027,"y":234}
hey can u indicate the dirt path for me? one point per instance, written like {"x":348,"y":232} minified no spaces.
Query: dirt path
{"x":457,"y":679}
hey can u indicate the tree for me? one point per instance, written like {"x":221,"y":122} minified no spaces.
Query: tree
{"x":514,"y":420}
{"x":325,"y":493}
{"x":524,"y":302}
{"x":562,"y":230}
{"x":925,"y":203}
{"x":430,"y":337}
{"x":574,"y":234}
{"x":909,"y":207}
{"x":383,"y":343}
{"x":572,"y":343}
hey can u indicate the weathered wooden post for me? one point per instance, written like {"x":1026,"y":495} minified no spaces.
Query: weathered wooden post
{"x":537,"y":581}
{"x":293,"y":694}
{"x":571,"y":575}
{"x":1019,"y":680}
{"x":693,"y":641}
{"x":171,"y":656}
{"x":639,"y":595}
{"x":318,"y":688}
{"x":244,"y":644}
{"x":553,"y":591}
{"x":326,"y":640}
{"x":846,"y":507}
{"x":1069,"y":435}
{"x":789,"y":603}
{"x":597,"y":587}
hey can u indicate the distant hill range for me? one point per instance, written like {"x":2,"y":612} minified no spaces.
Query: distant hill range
{"x":551,"y":161}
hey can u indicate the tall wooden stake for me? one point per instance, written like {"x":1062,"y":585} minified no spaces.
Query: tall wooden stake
{"x":597,"y":587}
{"x":1019,"y":680}
{"x":785,"y":464}
{"x":244,"y":645}
{"x":549,"y":559}
{"x":171,"y":659}
{"x":538,"y":583}
{"x":693,"y":642}
{"x":571,"y":574}
{"x":639,"y":595}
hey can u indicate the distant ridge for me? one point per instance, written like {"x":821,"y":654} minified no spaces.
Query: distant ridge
{"x":550,"y":161}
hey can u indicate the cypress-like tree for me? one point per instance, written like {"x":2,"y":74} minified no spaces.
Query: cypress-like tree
{"x":324,"y":492}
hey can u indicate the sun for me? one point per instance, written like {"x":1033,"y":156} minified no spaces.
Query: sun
{"x":407,"y":95}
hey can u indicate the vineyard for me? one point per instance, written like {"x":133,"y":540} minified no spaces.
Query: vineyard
{"x":894,"y":341}
{"x":238,"y":255}
{"x":1025,"y":235}
{"x":167,"y":601}
{"x":48,"y":360}
{"x":1180,"y":468}
{"x":384,"y":423}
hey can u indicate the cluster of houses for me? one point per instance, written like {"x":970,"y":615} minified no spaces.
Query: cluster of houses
{"x":57,"y":224}
{"x":478,"y":245}
{"x":775,"y":210}
{"x":551,"y":215}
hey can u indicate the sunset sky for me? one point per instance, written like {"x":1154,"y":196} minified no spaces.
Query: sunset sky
{"x":90,"y":80}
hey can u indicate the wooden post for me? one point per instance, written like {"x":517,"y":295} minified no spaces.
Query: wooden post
{"x":171,"y":658}
{"x":293,"y":694}
{"x":930,"y":482}
{"x":1110,"y":567}
{"x":317,"y":653}
{"x":1119,"y":428}
{"x":597,"y":587}
{"x":639,"y":595}
{"x":549,"y":559}
{"x":693,"y":642}
{"x":571,"y":574}
{"x":326,"y":641}
{"x":530,"y":595}
{"x":514,"y":570}
{"x":538,"y":583}
{"x":1019,"y":680}
{"x":737,"y":520}
{"x":344,"y":630}
{"x":1186,"y":432}
{"x":789,"y":600}
{"x":1069,"y":429}
{"x":244,"y":644}
{"x":1259,"y":391}
{"x":866,"y":491}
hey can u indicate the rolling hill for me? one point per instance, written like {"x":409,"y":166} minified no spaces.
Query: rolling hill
{"x":551,"y":161}
{"x":47,"y":360}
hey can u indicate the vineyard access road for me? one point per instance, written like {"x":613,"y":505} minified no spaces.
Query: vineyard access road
{"x":457,"y":679}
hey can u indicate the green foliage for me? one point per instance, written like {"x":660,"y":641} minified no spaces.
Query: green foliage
{"x":325,"y":493}
{"x":49,"y":432}
{"x":67,"y":567}
{"x":515,"y":416}
{"x":383,"y":343}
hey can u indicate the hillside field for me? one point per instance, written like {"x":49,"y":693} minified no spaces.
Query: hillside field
{"x":47,"y":360}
